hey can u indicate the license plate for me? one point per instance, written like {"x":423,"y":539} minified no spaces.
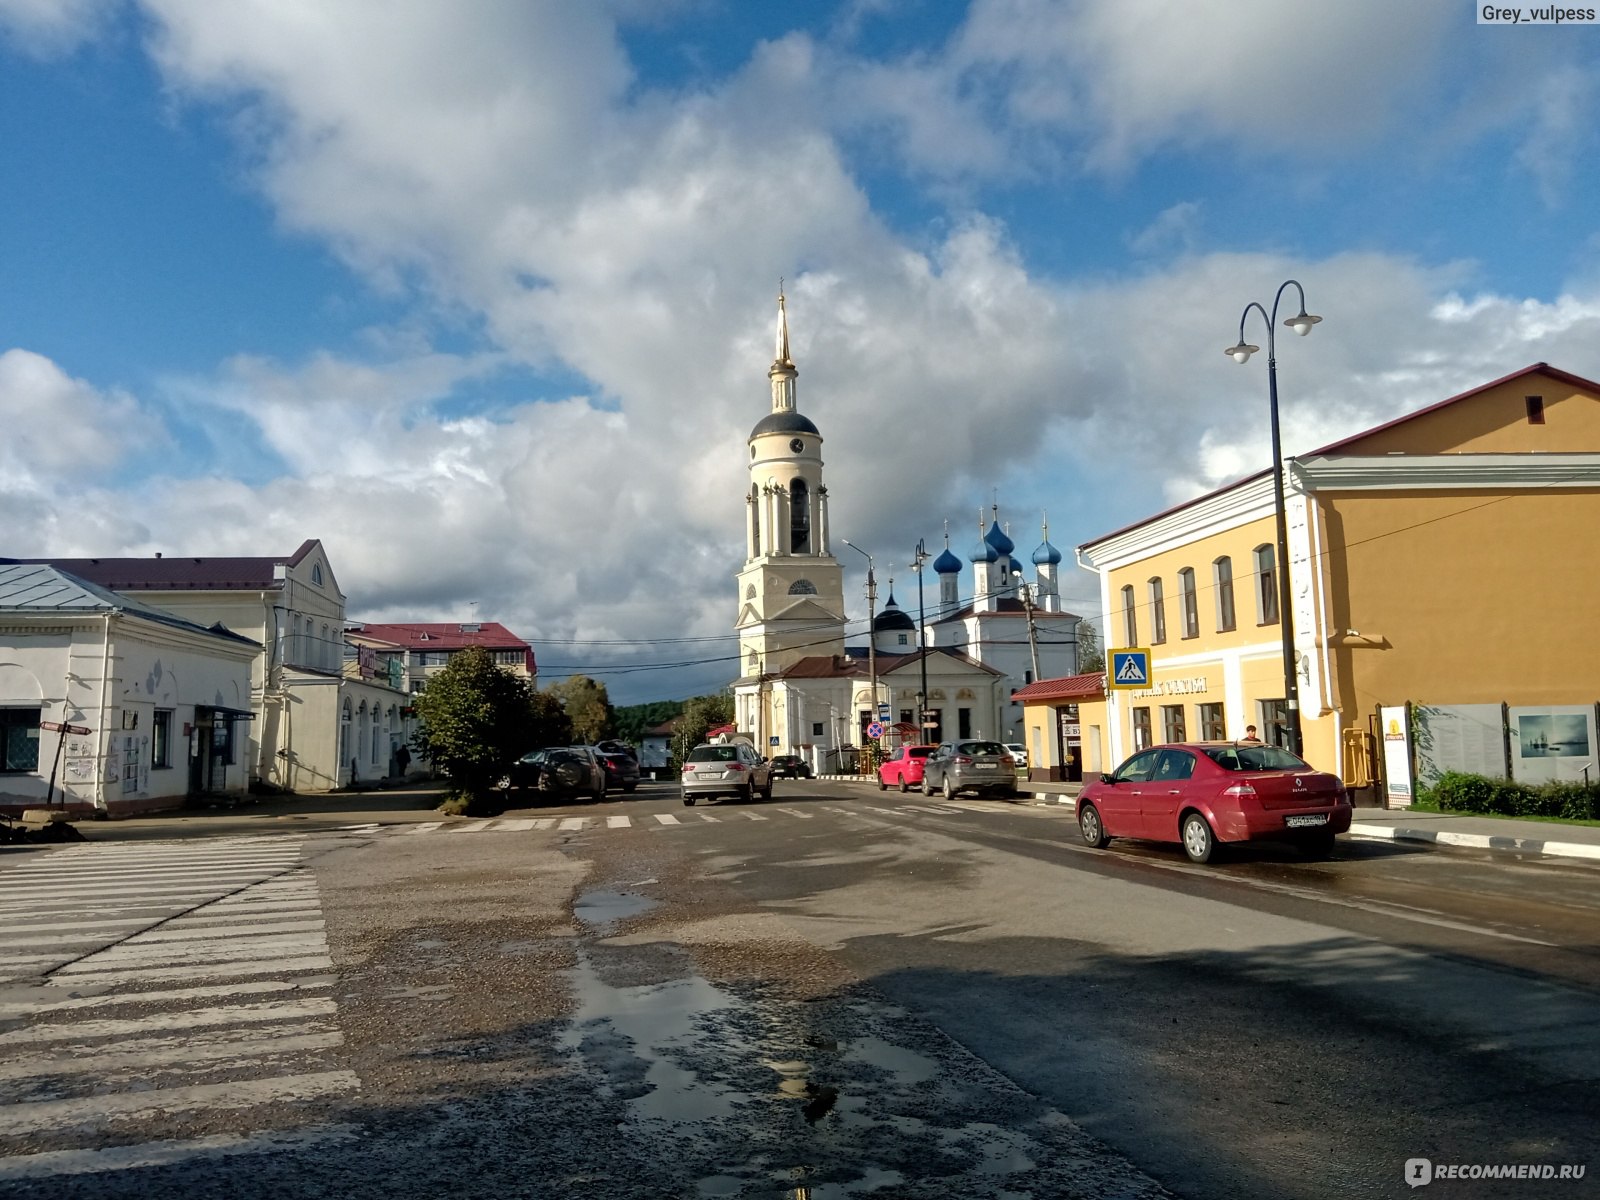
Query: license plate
{"x":984,"y":766}
{"x":1307,"y":819}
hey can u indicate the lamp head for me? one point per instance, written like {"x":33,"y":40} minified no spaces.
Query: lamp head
{"x":1242,"y":352}
{"x":1302,"y":324}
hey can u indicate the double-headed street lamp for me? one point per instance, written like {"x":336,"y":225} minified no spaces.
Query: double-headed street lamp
{"x":1301,"y":324}
{"x":918,"y":561}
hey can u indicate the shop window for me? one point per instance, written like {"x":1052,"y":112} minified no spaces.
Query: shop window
{"x":1274,"y":722}
{"x":161,"y":739}
{"x":1191,"y":603}
{"x":1172,"y":728}
{"x":1130,"y":618}
{"x":1212,"y":728}
{"x":19,"y":739}
{"x":1266,"y":585}
{"x":1158,"y":612}
{"x":1141,"y":729}
{"x":1222,"y":577}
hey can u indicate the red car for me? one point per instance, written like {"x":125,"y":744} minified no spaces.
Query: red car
{"x":1202,"y":793}
{"x":904,"y":768}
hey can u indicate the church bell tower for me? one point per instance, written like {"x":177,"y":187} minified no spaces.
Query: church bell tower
{"x":791,"y":588}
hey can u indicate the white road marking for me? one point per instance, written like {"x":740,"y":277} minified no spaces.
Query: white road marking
{"x":521,"y":825}
{"x":574,"y":823}
{"x":624,"y":822}
{"x":472,"y":827}
{"x":545,"y":823}
{"x":179,"y":931}
{"x":268,"y":966}
{"x":708,"y":817}
{"x":665,"y":819}
{"x":135,"y":953}
{"x":795,"y":812}
{"x":194,"y":1018}
{"x":147,"y":1053}
{"x":260,"y":987}
{"x":750,"y":816}
{"x":39,"y":1115}
{"x":425,"y":827}
{"x":165,"y":1153}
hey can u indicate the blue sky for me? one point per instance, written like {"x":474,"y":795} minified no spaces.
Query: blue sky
{"x":481,"y":293}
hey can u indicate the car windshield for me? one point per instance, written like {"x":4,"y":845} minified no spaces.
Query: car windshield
{"x":982,"y":748}
{"x":561,"y":756}
{"x":713,"y":754}
{"x":1255,"y":758}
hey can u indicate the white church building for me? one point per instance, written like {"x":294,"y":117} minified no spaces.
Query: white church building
{"x":802,"y":690}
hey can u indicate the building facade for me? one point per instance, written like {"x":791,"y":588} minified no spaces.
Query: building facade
{"x":1446,"y":558}
{"x":114,"y":706}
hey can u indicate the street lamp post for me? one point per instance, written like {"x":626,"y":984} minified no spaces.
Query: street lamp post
{"x":872,"y":614}
{"x":1240,"y":353}
{"x":919,"y":560}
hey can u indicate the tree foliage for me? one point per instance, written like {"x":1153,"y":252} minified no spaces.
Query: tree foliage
{"x":633,"y":721}
{"x":587,"y":706}
{"x":701,"y":714}
{"x":475,"y":718}
{"x":1090,"y":656}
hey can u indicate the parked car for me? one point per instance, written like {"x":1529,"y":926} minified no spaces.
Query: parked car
{"x":790,"y":766}
{"x":1019,"y":754}
{"x":969,"y":766}
{"x":1202,"y":793}
{"x":622,"y":770}
{"x":559,"y":771}
{"x":731,"y":769}
{"x":903,"y":768}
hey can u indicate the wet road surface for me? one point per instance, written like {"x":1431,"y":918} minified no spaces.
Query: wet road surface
{"x":836,"y":994}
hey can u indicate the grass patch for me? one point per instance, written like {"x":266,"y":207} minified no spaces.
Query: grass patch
{"x":1421,"y":805}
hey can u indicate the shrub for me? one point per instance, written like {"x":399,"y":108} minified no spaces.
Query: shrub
{"x":1456,"y":791}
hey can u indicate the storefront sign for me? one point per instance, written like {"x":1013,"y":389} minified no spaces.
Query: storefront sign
{"x":1176,"y":687}
{"x":1396,"y":756}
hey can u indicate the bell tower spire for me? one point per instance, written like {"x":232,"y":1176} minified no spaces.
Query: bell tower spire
{"x":783,"y":372}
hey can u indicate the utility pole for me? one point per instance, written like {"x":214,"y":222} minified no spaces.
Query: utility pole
{"x":1033,"y":633}
{"x":917,"y":564}
{"x":872,"y":614}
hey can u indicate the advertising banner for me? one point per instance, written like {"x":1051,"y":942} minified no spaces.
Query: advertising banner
{"x":1459,"y":737}
{"x":1396,"y":756}
{"x":1556,"y":742}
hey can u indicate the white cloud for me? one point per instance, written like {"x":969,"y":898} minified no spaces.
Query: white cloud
{"x":47,"y":28}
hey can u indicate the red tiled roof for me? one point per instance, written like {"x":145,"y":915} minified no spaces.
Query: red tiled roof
{"x":1069,"y":687}
{"x":443,"y":635}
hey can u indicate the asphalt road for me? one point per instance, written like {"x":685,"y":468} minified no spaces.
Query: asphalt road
{"x":839,"y":993}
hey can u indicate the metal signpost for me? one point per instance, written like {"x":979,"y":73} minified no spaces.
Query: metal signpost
{"x":65,"y":731}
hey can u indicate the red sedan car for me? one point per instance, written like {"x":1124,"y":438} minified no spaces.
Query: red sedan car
{"x":1202,"y":793}
{"x":903,"y":768}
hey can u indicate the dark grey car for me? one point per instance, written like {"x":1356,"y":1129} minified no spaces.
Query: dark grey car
{"x":970,"y":765}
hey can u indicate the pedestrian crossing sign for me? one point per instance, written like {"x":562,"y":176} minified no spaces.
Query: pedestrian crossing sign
{"x":1130,"y":668}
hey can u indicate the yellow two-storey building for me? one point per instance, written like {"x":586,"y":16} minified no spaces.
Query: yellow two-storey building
{"x":1448,"y":557}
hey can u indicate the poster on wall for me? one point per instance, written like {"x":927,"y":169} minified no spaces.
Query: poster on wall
{"x":1396,"y":756}
{"x":1458,"y":737}
{"x":1553,"y":743}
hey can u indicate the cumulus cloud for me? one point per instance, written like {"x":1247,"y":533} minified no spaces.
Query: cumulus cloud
{"x":48,"y":28}
{"x":579,"y":473}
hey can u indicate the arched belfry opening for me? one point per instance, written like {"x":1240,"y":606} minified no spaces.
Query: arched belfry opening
{"x":799,"y":516}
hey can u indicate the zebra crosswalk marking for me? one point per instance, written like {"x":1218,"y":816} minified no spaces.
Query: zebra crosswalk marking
{"x":212,"y":962}
{"x":425,"y":827}
{"x":574,"y":823}
{"x":667,"y":819}
{"x":618,"y":822}
{"x":795,"y":812}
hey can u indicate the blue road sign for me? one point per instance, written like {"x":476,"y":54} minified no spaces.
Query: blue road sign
{"x":1130,"y":669}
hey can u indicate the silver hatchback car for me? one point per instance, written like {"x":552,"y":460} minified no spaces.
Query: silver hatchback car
{"x":731,"y":769}
{"x":970,"y":766}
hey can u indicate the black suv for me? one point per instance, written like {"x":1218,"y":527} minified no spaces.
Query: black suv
{"x":790,"y":766}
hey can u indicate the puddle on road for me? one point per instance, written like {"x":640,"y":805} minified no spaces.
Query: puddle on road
{"x":607,"y":908}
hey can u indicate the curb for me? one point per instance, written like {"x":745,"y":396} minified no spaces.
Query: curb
{"x":1477,"y":841}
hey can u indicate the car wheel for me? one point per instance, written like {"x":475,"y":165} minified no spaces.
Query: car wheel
{"x":903,"y":788}
{"x":1198,"y":841}
{"x":749,"y":793}
{"x":599,"y":794}
{"x":1090,"y":825}
{"x":1317,"y":846}
{"x":949,"y":789}
{"x":927,"y":787}
{"x":766,"y":792}
{"x":688,"y":801}
{"x":882,"y":786}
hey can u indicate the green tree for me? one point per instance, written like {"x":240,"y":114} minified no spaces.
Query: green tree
{"x":1090,"y":656}
{"x":701,"y":714}
{"x":633,"y":721}
{"x":587,"y":705}
{"x":475,"y":719}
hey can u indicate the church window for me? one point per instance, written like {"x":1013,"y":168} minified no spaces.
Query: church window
{"x":799,"y":517}
{"x":904,"y":639}
{"x":316,"y":574}
{"x":802,"y":587}
{"x":750,"y":592}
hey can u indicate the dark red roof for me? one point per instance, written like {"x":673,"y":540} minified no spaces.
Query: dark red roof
{"x":179,"y":573}
{"x":441,"y":635}
{"x":1069,"y":687}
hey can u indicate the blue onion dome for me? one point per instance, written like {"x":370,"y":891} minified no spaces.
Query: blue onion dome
{"x":1046,"y":555}
{"x":892,"y":618}
{"x":1014,"y":567}
{"x":985,"y":553}
{"x":947,"y":563}
{"x":997,"y":538}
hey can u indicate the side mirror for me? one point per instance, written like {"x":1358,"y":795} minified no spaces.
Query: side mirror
{"x":1104,"y":778}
